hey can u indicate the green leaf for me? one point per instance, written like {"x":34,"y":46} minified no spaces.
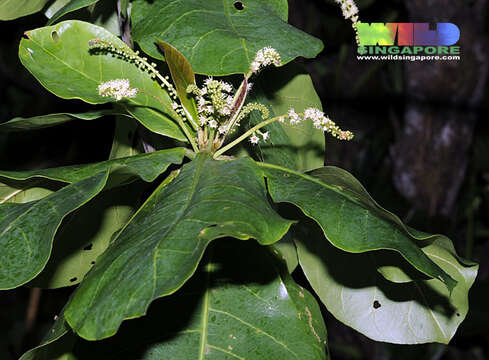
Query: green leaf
{"x":183,"y":76}
{"x":160,"y":248}
{"x":45,"y":121}
{"x":146,"y":166}
{"x":13,"y":9}
{"x":125,"y":137}
{"x":285,"y":248}
{"x":73,"y":5}
{"x":347,"y":222}
{"x":215,"y":37}
{"x":61,"y":60}
{"x":416,"y":312}
{"x":223,"y":312}
{"x":295,"y":147}
{"x":12,"y":191}
{"x":27,"y":230}
{"x":86,"y":235}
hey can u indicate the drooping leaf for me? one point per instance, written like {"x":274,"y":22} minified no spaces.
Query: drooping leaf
{"x":348,"y":223}
{"x":354,"y":291}
{"x":12,"y":191}
{"x":215,"y":36}
{"x":27,"y":229}
{"x":295,"y":147}
{"x":287,"y":250}
{"x":183,"y":76}
{"x":86,"y":235}
{"x":61,"y":60}
{"x":13,"y":9}
{"x":72,"y":5}
{"x":146,"y":166}
{"x":223,"y":312}
{"x":45,"y":121}
{"x":161,"y":246}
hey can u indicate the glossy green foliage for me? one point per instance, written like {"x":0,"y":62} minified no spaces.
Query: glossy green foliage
{"x":217,"y":37}
{"x":60,"y":54}
{"x":27,"y":229}
{"x":274,"y":317}
{"x":347,"y":222}
{"x":13,"y":9}
{"x":160,"y":248}
{"x":45,"y":121}
{"x":72,"y":5}
{"x":402,"y":312}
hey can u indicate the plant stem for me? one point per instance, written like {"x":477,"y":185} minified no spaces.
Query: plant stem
{"x":244,"y":136}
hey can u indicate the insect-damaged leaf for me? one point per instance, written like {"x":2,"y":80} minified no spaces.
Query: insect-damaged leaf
{"x":27,"y":229}
{"x":215,"y":36}
{"x":161,"y":246}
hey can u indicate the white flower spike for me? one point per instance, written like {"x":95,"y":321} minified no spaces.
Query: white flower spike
{"x":118,"y":89}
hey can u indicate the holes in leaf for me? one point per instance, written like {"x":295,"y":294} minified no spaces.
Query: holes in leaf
{"x":88,"y":247}
{"x":92,"y":262}
{"x":458,"y":314}
{"x":376,"y":304}
{"x":54,"y":36}
{"x":73,"y":279}
{"x":238,"y":5}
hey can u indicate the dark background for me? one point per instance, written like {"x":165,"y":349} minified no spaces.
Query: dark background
{"x":421,"y":149}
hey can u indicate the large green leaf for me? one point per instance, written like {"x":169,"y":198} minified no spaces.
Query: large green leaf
{"x":12,"y":191}
{"x":45,"y":121}
{"x":27,"y":229}
{"x":347,"y":222}
{"x":13,"y":9}
{"x":223,"y":312}
{"x":146,"y":166}
{"x":86,"y":234}
{"x":217,"y":38}
{"x":72,"y":5}
{"x":353,"y":290}
{"x":295,"y":147}
{"x":60,"y":58}
{"x":161,"y":246}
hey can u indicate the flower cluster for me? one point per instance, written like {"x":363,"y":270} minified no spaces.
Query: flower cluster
{"x":265,"y":57}
{"x":350,"y":11}
{"x":320,"y":122}
{"x":118,"y":89}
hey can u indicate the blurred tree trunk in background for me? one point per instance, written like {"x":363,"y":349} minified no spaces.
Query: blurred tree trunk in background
{"x":430,"y":155}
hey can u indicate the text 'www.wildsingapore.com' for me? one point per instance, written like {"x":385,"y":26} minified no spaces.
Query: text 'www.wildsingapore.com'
{"x":408,"y":41}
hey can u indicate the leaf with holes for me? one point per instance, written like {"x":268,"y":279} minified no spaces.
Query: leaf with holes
{"x":275,"y":318}
{"x":86,"y":234}
{"x":295,"y":147}
{"x":220,"y":37}
{"x":348,"y":223}
{"x":415,"y":312}
{"x":160,"y":248}
{"x":13,"y":9}
{"x":45,"y":121}
{"x":61,"y":60}
{"x":27,"y":229}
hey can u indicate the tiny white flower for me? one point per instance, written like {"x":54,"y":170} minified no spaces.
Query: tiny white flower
{"x":265,"y":136}
{"x":222,"y":129}
{"x":208,"y":81}
{"x":281,"y":119}
{"x":226,"y":87}
{"x":254,"y":139}
{"x":294,"y":117}
{"x":255,"y":66}
{"x":213,"y":124}
{"x":118,"y":89}
{"x":203,"y":120}
{"x":249,"y":86}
